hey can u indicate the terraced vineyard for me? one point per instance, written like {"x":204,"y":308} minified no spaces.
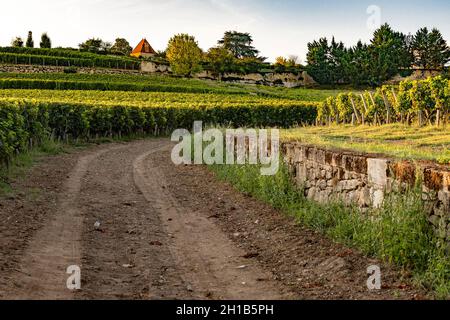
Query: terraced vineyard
{"x":30,"y":116}
{"x":64,"y":58}
{"x":154,"y":83}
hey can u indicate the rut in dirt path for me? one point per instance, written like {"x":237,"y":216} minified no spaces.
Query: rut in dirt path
{"x":56,"y":246}
{"x":150,"y":246}
{"x":212,"y":265}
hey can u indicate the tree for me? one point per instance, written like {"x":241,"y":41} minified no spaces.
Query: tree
{"x":430,"y":49}
{"x":30,"y":42}
{"x":220,"y":60}
{"x":121,"y":47}
{"x":239,"y":44}
{"x":327,"y":62}
{"x":161,"y":54}
{"x":281,"y":61}
{"x":318,"y":60}
{"x":389,"y":53}
{"x":184,"y":54}
{"x":17,"y":42}
{"x":45,"y":41}
{"x":105,"y":47}
{"x":357,"y":69}
{"x":293,"y":61}
{"x":95,"y":45}
{"x":338,"y":60}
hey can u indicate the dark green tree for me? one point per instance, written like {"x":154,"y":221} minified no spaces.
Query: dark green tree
{"x":318,"y":61}
{"x":17,"y":42}
{"x":121,"y":47}
{"x":338,"y":61}
{"x":239,"y":44}
{"x":430,"y":49}
{"x":45,"y":41}
{"x":357,"y":69}
{"x":389,"y":53}
{"x":30,"y":42}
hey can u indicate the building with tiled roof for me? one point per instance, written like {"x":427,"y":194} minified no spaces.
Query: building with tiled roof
{"x":143,"y":49}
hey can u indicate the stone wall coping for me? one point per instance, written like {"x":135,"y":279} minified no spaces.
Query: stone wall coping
{"x":423,"y":164}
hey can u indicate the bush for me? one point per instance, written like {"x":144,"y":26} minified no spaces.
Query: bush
{"x":70,"y":70}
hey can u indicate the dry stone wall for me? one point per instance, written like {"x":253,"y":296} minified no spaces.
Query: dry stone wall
{"x":362,"y":179}
{"x":288,"y":80}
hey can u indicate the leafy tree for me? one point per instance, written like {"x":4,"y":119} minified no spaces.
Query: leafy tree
{"x":239,"y":44}
{"x":430,"y":49}
{"x":220,"y":60}
{"x":281,"y":61}
{"x":17,"y":42}
{"x":121,"y":47}
{"x":389,"y":53}
{"x":30,"y":42}
{"x":184,"y":54}
{"x":95,"y":45}
{"x":105,"y":47}
{"x":45,"y":41}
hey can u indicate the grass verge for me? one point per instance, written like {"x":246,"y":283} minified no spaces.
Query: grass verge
{"x":23,"y":161}
{"x":396,"y":140}
{"x":398,"y":233}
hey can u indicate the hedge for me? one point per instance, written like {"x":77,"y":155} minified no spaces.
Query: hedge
{"x":97,"y":61}
{"x":25,"y":122}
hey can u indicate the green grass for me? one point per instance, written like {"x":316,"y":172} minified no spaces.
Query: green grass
{"x":395,"y":140}
{"x":398,"y":233}
{"x":25,"y":160}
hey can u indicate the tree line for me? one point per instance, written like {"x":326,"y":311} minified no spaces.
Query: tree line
{"x":389,"y":52}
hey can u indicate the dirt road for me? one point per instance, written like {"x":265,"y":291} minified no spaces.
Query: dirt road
{"x":163,"y":232}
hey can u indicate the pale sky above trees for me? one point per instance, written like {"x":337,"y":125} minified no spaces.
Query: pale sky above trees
{"x":279,"y":27}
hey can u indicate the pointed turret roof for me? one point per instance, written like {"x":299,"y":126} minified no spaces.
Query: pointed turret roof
{"x":143,"y":47}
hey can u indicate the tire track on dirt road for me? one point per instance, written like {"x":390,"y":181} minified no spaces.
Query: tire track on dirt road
{"x":56,"y":246}
{"x":212,"y":266}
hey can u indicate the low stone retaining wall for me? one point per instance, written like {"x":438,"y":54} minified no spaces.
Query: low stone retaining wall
{"x":364,"y":180}
{"x":288,"y":80}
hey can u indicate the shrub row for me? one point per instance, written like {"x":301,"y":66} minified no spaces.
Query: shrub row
{"x":422,"y":100}
{"x":24,"y":122}
{"x":59,"y":52}
{"x":16,"y":83}
{"x":94,"y":61}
